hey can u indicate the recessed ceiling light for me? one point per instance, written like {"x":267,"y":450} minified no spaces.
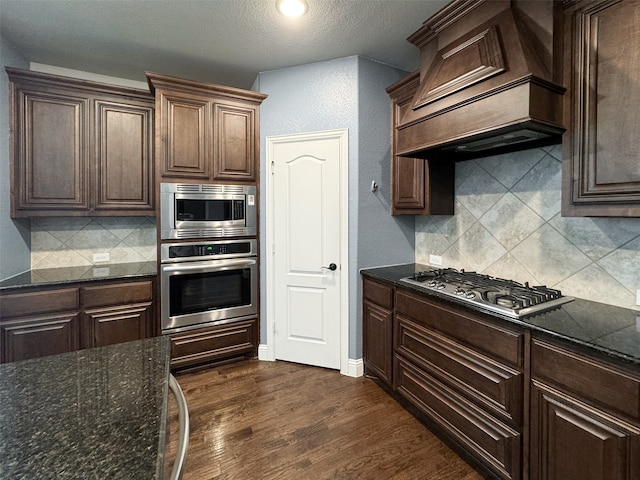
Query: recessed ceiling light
{"x":292,"y":8}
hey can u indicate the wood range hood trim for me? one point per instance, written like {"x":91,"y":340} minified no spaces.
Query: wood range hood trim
{"x":486,"y":82}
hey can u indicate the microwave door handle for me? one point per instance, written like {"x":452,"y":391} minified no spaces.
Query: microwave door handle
{"x":201,"y":266}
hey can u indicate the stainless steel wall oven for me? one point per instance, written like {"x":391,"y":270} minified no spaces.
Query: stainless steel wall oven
{"x":205,"y":284}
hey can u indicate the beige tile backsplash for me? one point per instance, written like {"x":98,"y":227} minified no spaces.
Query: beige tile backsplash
{"x":72,"y":241}
{"x":508,"y":224}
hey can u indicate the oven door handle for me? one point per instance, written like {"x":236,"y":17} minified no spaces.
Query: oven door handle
{"x":209,"y":266}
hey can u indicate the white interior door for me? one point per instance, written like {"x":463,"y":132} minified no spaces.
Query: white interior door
{"x":306,"y":222}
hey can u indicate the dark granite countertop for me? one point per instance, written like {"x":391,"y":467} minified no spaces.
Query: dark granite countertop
{"x":47,"y":277}
{"x":603,"y":330}
{"x":91,"y":414}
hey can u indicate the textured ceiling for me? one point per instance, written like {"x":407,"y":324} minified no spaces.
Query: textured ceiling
{"x":220,"y":41}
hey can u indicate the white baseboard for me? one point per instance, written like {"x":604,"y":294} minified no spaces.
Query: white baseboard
{"x":355,"y":368}
{"x":263,"y":353}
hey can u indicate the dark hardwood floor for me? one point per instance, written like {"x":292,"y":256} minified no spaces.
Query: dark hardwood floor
{"x":278,"y":420}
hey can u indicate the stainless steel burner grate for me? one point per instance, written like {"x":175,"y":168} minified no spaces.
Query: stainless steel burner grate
{"x":496,"y":294}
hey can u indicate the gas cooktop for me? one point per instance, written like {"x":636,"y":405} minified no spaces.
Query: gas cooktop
{"x":506,"y":297}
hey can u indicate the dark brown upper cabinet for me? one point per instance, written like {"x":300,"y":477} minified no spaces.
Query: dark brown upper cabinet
{"x":79,"y":147}
{"x":205,"y":132}
{"x":601,"y":169}
{"x":418,"y":186}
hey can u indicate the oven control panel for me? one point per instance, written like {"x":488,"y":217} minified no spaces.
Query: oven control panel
{"x":173,"y":252}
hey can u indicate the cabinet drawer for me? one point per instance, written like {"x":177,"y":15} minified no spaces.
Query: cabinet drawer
{"x":495,"y":386}
{"x":498,"y":342}
{"x":33,"y":303}
{"x":378,"y":293}
{"x":215,"y":343}
{"x":117,"y":294}
{"x":498,"y":445}
{"x":590,"y":379}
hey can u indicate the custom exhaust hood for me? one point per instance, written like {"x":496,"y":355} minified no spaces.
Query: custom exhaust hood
{"x":487,"y":81}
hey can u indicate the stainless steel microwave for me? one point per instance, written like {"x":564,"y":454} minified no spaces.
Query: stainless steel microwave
{"x":207,"y":211}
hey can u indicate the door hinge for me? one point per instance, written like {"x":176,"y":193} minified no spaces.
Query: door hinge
{"x":273,"y":167}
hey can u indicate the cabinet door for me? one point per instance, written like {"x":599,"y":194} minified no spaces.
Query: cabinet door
{"x":407,"y":174}
{"x":377,"y":346}
{"x":418,"y":186}
{"x":408,"y":184}
{"x":422,"y":187}
{"x":234,"y":146}
{"x":34,"y":337}
{"x":107,"y":326}
{"x":184,"y":136}
{"x":572,"y":441}
{"x":602,"y":70}
{"x":50,"y":160}
{"x":124,"y":150}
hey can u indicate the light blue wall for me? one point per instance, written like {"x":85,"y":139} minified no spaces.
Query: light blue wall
{"x":344,"y":93}
{"x":381,"y":238}
{"x":15,"y":235}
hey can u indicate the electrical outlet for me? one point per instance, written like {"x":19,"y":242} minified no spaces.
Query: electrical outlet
{"x":638,"y":297}
{"x":435,"y":259}
{"x":100,"y":257}
{"x":101,"y":272}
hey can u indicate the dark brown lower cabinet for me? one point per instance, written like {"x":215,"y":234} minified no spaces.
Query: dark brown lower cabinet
{"x":524,"y":407}
{"x":39,"y":336}
{"x":377,"y":330}
{"x":573,"y":440}
{"x":39,"y":323}
{"x":206,"y":345}
{"x":443,"y":366}
{"x":493,"y":442}
{"x":107,"y":326}
{"x":49,"y":321}
{"x":585,"y":417}
{"x":117,"y":313}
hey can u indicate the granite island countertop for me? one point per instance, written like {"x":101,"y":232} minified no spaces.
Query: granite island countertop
{"x":90,"y":414}
{"x":610,"y":332}
{"x":51,"y":277}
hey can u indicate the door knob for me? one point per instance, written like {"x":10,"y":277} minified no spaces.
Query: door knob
{"x":332,"y":266}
